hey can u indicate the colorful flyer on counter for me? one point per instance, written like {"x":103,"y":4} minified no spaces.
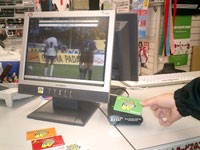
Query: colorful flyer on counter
{"x":128,"y":105}
{"x":53,"y":143}
{"x":42,"y":133}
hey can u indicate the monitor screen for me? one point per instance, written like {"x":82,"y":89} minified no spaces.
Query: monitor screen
{"x":67,"y":55}
{"x":125,"y":52}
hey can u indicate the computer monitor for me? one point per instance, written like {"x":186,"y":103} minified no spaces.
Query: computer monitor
{"x":79,"y":77}
{"x":125,"y":52}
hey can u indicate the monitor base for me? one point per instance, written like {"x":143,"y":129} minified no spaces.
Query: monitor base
{"x":65,"y":111}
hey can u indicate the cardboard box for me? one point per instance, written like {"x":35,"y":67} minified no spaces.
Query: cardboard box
{"x":195,"y":64}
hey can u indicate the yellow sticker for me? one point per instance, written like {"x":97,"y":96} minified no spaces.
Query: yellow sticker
{"x":73,"y":147}
{"x":48,"y":143}
{"x":40,"y":90}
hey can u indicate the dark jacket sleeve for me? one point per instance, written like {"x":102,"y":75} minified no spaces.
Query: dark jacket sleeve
{"x":3,"y":37}
{"x":187,"y":99}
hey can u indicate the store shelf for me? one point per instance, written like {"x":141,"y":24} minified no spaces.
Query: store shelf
{"x":12,"y":20}
{"x":14,"y":28}
{"x":15,"y":6}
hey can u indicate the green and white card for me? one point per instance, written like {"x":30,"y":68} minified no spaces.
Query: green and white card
{"x":128,"y":105}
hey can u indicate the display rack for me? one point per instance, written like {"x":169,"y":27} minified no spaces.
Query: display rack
{"x":153,"y":35}
{"x":12,"y":20}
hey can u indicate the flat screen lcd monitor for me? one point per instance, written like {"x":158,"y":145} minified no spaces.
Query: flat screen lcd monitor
{"x":67,"y":55}
{"x":125,"y":52}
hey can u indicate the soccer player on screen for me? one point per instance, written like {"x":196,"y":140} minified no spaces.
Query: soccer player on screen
{"x":86,"y":58}
{"x":50,"y":52}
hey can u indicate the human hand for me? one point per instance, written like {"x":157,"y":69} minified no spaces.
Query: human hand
{"x":164,"y":108}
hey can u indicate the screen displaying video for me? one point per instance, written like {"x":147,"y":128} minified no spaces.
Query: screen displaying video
{"x":67,"y":50}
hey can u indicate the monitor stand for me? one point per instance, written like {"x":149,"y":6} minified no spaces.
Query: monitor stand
{"x":66,"y":111}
